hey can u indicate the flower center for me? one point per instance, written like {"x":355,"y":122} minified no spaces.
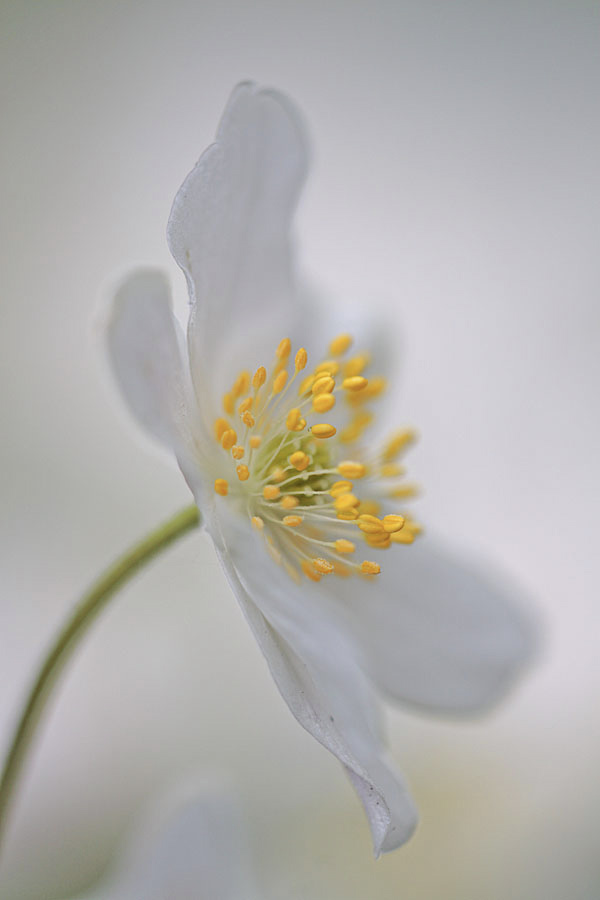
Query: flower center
{"x":311,"y":488}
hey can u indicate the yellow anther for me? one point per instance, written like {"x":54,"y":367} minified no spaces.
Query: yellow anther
{"x":329,"y":366}
{"x":375,"y":387}
{"x":379,"y":541}
{"x":344,"y":546}
{"x":306,"y":384}
{"x":221,"y":487}
{"x":292,"y":521}
{"x":391,"y":470}
{"x":405,"y":536}
{"x":299,"y":460}
{"x":404,"y":491}
{"x":228,"y":403}
{"x":370,"y":524}
{"x":370,"y":507}
{"x":397,"y":444}
{"x":271,"y":492}
{"x":259,"y":378}
{"x":309,"y":571}
{"x":369,"y":568}
{"x":323,"y":385}
{"x":277,"y":474}
{"x":257,"y":523}
{"x":221,"y":426}
{"x":301,"y":359}
{"x":228,"y":439}
{"x":350,"y":469}
{"x":237,"y":451}
{"x":248,"y":419}
{"x":356,"y":365}
{"x":354,"y":383}
{"x":340,"y":344}
{"x":243,"y":472}
{"x":340,"y":487}
{"x":347,"y":515}
{"x":323,"y":430}
{"x":279,"y":382}
{"x":393,"y":524}
{"x":346,"y":501}
{"x":323,"y":566}
{"x":245,"y":405}
{"x":241,"y":384}
{"x":322,"y":403}
{"x":255,"y":441}
{"x":301,"y":425}
{"x":284,"y":349}
{"x":292,"y":419}
{"x":289,"y":502}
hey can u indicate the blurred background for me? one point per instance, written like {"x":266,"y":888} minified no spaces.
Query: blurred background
{"x":455,"y":188}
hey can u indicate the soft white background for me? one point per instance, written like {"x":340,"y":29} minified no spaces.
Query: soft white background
{"x":455,"y":188}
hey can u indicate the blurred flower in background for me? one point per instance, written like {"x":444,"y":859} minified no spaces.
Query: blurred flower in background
{"x":456,"y":168}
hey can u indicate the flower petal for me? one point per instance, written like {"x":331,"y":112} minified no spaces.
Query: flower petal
{"x":191,"y":847}
{"x":439,"y":633}
{"x":316,"y":665}
{"x":230,"y":222}
{"x":147,"y":353}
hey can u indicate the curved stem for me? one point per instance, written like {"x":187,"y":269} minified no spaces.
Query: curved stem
{"x":85,"y":612}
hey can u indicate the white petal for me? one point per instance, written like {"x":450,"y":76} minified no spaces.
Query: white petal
{"x":229,"y":228}
{"x":147,"y":353}
{"x":317,"y":667}
{"x":190,"y":849}
{"x":438,"y":632}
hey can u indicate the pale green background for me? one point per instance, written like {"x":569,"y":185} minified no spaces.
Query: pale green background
{"x":455,"y":188}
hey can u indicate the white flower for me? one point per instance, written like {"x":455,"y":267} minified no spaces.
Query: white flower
{"x":189,"y":847}
{"x":425,"y":631}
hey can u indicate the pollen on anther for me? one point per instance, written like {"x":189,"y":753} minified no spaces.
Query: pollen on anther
{"x":221,"y":487}
{"x":323,"y":430}
{"x":323,"y":385}
{"x":369,"y":568}
{"x":340,"y":487}
{"x":309,"y":571}
{"x":301,"y":359}
{"x":279,"y":383}
{"x":259,"y":378}
{"x":350,"y":469}
{"x":340,"y":344}
{"x":354,"y":383}
{"x":344,"y":546}
{"x":299,"y":460}
{"x":284,"y":349}
{"x":292,"y":521}
{"x":248,"y":419}
{"x":323,"y":566}
{"x":289,"y":502}
{"x":393,"y":524}
{"x":228,"y":439}
{"x":322,"y":403}
{"x":237,"y":451}
{"x":243,"y":472}
{"x":257,"y":523}
{"x":271,"y":492}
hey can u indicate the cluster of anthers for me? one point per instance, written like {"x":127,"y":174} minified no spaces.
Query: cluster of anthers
{"x":296,"y":481}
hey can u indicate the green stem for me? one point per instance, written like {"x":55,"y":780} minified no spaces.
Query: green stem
{"x":86,"y":611}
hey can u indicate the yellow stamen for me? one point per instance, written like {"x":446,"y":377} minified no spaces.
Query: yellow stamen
{"x":255,"y":441}
{"x":329,"y":366}
{"x":344,"y":546}
{"x":348,"y":515}
{"x":245,"y":405}
{"x":323,"y":385}
{"x":248,"y":419}
{"x":381,"y":540}
{"x":243,"y":472}
{"x":354,"y":383}
{"x":370,"y":524}
{"x":340,"y":487}
{"x":221,"y":487}
{"x":398,"y":443}
{"x":257,"y":523}
{"x":346,"y":501}
{"x":322,"y":565}
{"x":284,"y":349}
{"x":369,"y":568}
{"x":340,"y":344}
{"x":221,"y":426}
{"x":393,"y":524}
{"x":391,"y":470}
{"x":271,"y":492}
{"x":292,"y":521}
{"x":299,"y":460}
{"x":309,"y":571}
{"x":306,"y":384}
{"x":279,"y":383}
{"x":289,"y":502}
{"x":292,"y":419}
{"x":323,"y":430}
{"x":301,"y":359}
{"x":241,"y":384}
{"x":322,"y":403}
{"x":259,"y":378}
{"x":356,"y":365}
{"x":350,"y":469}
{"x":370,"y":507}
{"x":402,"y":537}
{"x":237,"y":452}
{"x":228,"y":439}
{"x":277,"y":474}
{"x":228,"y":403}
{"x":375,"y":387}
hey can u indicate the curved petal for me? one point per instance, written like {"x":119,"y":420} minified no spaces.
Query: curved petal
{"x":439,"y":633}
{"x":147,"y":355}
{"x":317,"y":667}
{"x":229,"y":228}
{"x":192,"y":848}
